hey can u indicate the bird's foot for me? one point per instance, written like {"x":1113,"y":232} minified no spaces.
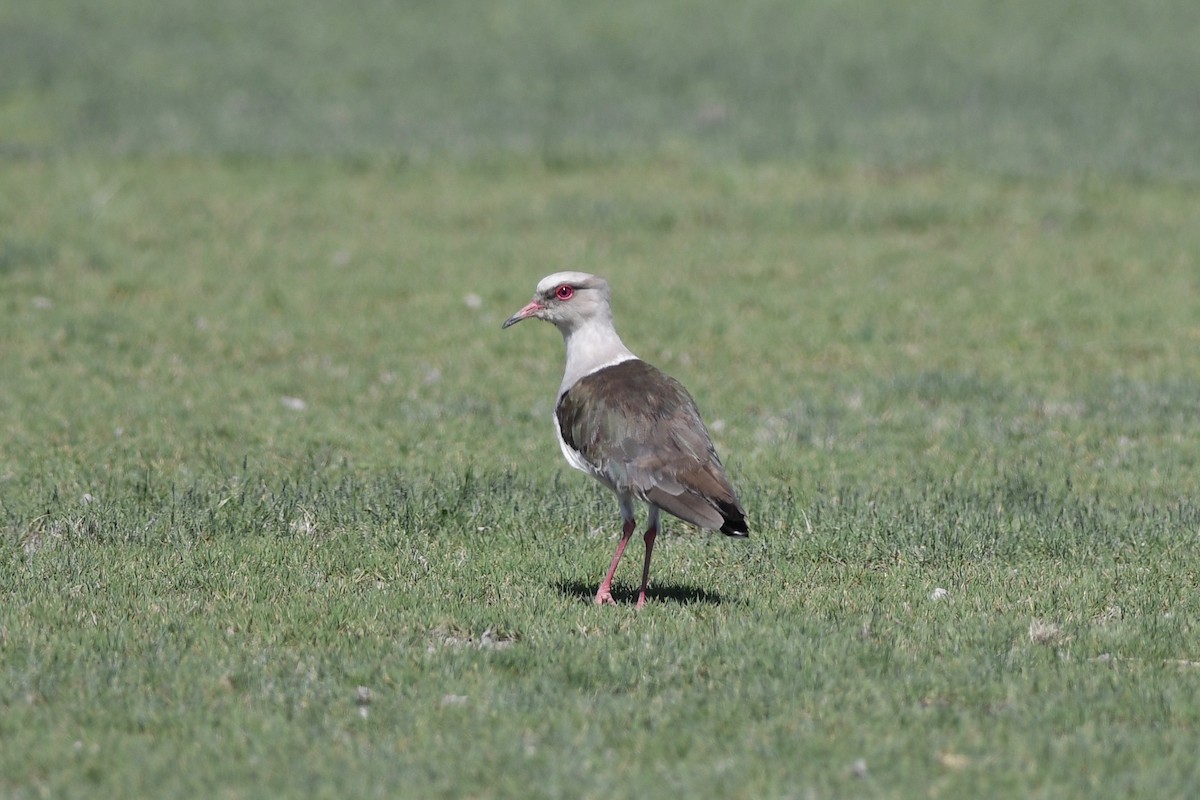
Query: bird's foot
{"x":641,"y":603}
{"x":604,"y":597}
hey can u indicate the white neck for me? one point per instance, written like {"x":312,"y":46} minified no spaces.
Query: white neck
{"x":591,"y":346}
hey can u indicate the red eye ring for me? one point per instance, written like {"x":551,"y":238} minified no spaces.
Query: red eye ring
{"x":564,"y":292}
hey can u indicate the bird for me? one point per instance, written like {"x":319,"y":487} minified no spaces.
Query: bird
{"x":629,"y":425}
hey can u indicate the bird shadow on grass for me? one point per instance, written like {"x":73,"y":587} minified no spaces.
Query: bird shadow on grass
{"x":683,"y":595}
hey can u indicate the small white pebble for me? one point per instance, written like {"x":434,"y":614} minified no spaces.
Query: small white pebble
{"x":859,"y":769}
{"x":939,"y":594}
{"x":87,"y":498}
{"x":294,"y":403}
{"x":362,"y":695}
{"x":454,"y":699}
{"x":473,"y":301}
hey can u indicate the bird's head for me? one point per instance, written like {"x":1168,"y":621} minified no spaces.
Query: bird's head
{"x":568,"y":299}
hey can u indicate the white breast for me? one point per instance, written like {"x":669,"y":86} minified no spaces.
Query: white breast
{"x":576,"y":459}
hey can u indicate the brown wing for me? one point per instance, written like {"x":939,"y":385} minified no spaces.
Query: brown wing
{"x":640,"y":429}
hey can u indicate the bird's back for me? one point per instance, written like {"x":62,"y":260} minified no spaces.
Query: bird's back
{"x":638,"y":430}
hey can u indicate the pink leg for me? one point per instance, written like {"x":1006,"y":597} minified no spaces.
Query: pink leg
{"x":604,"y":593}
{"x":651,"y":532}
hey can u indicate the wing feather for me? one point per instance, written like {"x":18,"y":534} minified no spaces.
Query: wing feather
{"x":639,"y":430}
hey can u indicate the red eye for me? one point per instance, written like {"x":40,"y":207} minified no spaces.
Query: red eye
{"x":564,"y":292}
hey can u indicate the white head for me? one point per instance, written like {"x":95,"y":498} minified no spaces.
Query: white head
{"x":578,"y":305}
{"x":569,"y":300}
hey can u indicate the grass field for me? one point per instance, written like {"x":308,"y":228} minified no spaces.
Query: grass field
{"x":281,"y":510}
{"x":1023,"y":87}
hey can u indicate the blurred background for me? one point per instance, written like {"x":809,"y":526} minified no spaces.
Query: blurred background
{"x":1023,"y":86}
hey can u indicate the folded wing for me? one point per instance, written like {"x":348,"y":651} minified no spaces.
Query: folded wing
{"x":638,"y":430}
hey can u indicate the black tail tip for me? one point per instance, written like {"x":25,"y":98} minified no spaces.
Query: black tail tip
{"x":736,"y":527}
{"x":735,"y":520}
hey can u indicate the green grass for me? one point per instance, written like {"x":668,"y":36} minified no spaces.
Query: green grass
{"x":1026,"y":87}
{"x":923,"y":379}
{"x":281,"y":511}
